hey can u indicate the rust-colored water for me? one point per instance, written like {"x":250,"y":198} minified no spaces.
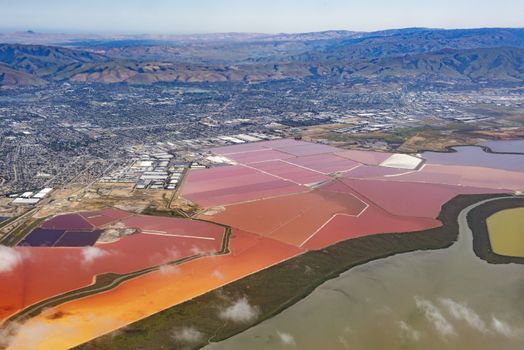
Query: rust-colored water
{"x":49,"y":271}
{"x":80,"y":320}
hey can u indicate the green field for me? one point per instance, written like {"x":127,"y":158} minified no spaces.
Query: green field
{"x":506,"y":232}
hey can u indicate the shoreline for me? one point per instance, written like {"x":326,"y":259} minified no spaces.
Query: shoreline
{"x":486,"y":149}
{"x":276,"y":288}
{"x":477,"y":222}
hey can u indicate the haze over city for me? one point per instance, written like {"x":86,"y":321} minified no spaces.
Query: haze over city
{"x":264,"y":16}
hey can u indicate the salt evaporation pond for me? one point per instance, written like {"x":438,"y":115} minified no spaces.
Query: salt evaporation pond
{"x":448,"y":299}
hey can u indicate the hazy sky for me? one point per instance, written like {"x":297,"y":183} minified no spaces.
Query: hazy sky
{"x":204,"y":16}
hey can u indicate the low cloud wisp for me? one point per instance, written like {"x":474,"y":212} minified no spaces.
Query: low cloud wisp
{"x":9,"y":259}
{"x":286,"y":338}
{"x":187,"y":335}
{"x":90,"y":254}
{"x":434,"y":316}
{"x":240,"y":311}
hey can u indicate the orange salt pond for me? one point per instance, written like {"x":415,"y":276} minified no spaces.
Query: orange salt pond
{"x":78,"y":321}
{"x":45,"y":272}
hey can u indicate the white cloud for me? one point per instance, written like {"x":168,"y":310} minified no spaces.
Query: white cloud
{"x":503,"y":328}
{"x":34,"y":333}
{"x":217,"y":274}
{"x":172,"y":254}
{"x":165,"y":256}
{"x":433,"y":315}
{"x":8,"y":333}
{"x":286,"y":338}
{"x":169,"y":269}
{"x":90,"y":254}
{"x":461,"y":312}
{"x":198,"y":251}
{"x":239,"y":311}
{"x":188,"y":335}
{"x":9,"y":259}
{"x":384,"y":310}
{"x":409,"y":332}
{"x":344,"y":342}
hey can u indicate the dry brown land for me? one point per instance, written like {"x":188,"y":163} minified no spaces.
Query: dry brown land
{"x":430,"y":137}
{"x":102,"y":195}
{"x":7,"y":210}
{"x":75,"y":197}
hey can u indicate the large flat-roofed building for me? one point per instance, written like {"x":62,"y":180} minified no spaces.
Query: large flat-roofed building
{"x":26,"y":201}
{"x":42,"y":193}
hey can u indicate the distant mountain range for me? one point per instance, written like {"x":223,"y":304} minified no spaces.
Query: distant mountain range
{"x":413,"y":54}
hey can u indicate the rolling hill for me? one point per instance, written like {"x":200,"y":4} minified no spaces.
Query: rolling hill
{"x":11,"y":77}
{"x":42,"y":60}
{"x":410,"y":41}
{"x":472,"y":65}
{"x":415,"y":54}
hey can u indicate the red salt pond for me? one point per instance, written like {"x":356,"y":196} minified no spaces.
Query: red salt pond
{"x":291,"y":172}
{"x":372,"y":221}
{"x":409,"y":199}
{"x":232,"y":184}
{"x":292,"y":147}
{"x":258,"y":156}
{"x":140,"y":297}
{"x":366,"y":171}
{"x":46,"y":272}
{"x":246,"y":147}
{"x":305,"y":149}
{"x":263,"y":196}
{"x":364,"y":157}
{"x":406,"y":209}
{"x":469,"y":176}
{"x":325,"y":163}
{"x":199,"y":230}
{"x":290,"y":219}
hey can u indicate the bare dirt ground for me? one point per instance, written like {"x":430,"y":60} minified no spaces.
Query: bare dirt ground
{"x":430,"y":137}
{"x":440,"y":141}
{"x":103,"y":195}
{"x":7,"y":210}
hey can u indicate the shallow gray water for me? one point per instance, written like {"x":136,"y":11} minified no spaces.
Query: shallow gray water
{"x":506,"y":146}
{"x":446,"y":299}
{"x":476,"y":156}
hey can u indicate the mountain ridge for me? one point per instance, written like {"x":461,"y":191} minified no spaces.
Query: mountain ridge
{"x":476,"y":55}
